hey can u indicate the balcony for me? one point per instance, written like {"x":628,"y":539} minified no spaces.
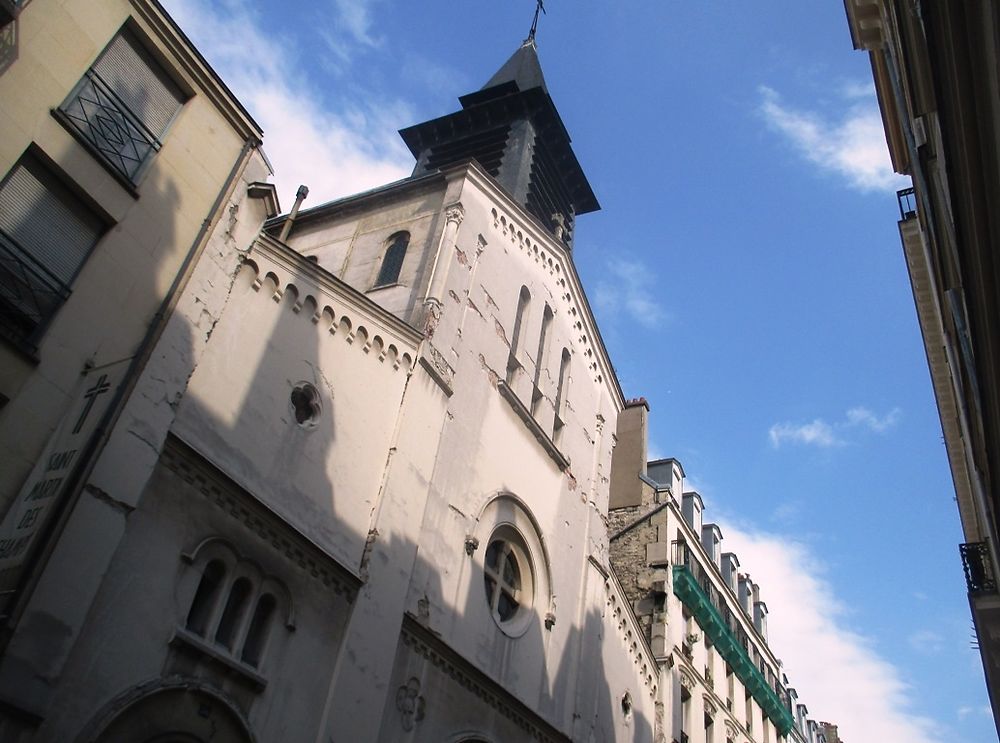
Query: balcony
{"x":694,"y":588}
{"x":106,"y":125}
{"x":29,"y":293}
{"x":978,"y":571}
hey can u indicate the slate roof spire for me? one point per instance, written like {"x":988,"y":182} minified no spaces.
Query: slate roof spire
{"x":522,"y":68}
{"x":512,"y":129}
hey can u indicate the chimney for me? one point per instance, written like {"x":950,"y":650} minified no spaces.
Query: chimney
{"x":628,"y":460}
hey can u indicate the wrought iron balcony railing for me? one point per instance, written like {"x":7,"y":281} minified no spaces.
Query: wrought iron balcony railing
{"x":109,"y":126}
{"x":978,"y":571}
{"x":694,"y":588}
{"x":907,"y":203}
{"x":29,"y":293}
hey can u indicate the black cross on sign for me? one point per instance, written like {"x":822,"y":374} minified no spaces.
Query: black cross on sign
{"x":539,"y":6}
{"x":100,"y":388}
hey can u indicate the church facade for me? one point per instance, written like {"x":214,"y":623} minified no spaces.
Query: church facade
{"x":373,"y":477}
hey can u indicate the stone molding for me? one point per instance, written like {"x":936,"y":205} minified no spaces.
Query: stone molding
{"x":257,"y":518}
{"x":426,"y":644}
{"x":619,"y":610}
{"x":331,"y":304}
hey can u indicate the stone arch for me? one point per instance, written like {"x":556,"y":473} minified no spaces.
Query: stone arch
{"x":174,"y":709}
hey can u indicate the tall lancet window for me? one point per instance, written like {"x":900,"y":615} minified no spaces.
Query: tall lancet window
{"x":536,"y":396}
{"x":520,"y":319}
{"x":392,"y":262}
{"x":560,"y":418}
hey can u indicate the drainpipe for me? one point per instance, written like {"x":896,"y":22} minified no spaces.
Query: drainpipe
{"x":85,"y":465}
{"x":300,"y":196}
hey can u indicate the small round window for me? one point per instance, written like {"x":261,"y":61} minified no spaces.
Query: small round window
{"x":508,"y":579}
{"x":306,"y":404}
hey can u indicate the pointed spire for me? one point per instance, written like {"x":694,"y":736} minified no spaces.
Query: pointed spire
{"x":512,"y":129}
{"x":522,"y":68}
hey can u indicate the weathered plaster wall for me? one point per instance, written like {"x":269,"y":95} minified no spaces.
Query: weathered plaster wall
{"x":123,"y":281}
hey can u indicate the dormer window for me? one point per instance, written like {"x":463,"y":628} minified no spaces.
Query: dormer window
{"x":392,"y":260}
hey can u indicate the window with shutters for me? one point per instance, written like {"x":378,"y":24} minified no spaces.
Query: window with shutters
{"x":46,"y":233}
{"x":123,"y":106}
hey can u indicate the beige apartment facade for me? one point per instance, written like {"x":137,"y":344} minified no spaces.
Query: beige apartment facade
{"x":934,"y":67}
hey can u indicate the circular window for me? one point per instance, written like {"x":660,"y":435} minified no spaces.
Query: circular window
{"x":508,"y":578}
{"x":306,"y":404}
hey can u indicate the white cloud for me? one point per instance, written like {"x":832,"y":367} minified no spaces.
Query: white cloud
{"x":355,"y":18}
{"x":335,"y":148}
{"x":807,"y":627}
{"x":861,"y":416}
{"x":818,"y":433}
{"x":630,"y":287}
{"x":824,"y":435}
{"x":852,"y":146}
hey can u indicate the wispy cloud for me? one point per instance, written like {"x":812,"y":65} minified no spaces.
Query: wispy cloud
{"x":817,"y":433}
{"x":807,"y":627}
{"x":630,"y":288}
{"x":861,"y":416}
{"x":335,"y":147}
{"x":825,"y":435}
{"x":851,"y":145}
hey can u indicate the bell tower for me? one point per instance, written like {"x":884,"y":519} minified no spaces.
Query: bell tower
{"x":512,"y":129}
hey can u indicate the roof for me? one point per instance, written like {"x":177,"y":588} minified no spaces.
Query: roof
{"x":522,"y":68}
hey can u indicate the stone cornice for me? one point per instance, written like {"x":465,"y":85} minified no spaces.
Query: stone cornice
{"x":306,"y":279}
{"x":425,"y":643}
{"x":168,"y":33}
{"x":241,"y":505}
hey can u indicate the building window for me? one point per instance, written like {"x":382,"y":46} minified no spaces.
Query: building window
{"x":392,"y":261}
{"x":233,"y":613}
{"x":235,"y":606}
{"x":543,"y":336}
{"x":123,"y":106}
{"x":523,"y":302}
{"x":306,"y":404}
{"x":560,"y":417}
{"x":205,"y":597}
{"x":46,"y":233}
{"x":253,"y":646}
{"x":504,"y":570}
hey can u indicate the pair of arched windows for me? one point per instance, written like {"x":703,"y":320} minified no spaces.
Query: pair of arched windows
{"x":233,"y":609}
{"x":392,"y":259}
{"x":517,"y":342}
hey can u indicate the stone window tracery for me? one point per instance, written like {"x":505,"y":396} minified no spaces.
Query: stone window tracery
{"x":234,"y":606}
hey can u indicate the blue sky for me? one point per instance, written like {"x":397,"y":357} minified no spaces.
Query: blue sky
{"x":746,"y":272}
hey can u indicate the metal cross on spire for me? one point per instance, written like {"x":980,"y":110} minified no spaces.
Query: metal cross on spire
{"x":539,"y":6}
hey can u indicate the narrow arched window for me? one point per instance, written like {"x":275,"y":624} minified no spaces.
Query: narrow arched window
{"x":543,"y":337}
{"x":205,"y":597}
{"x":520,"y":319}
{"x":231,"y":615}
{"x":392,"y":261}
{"x":253,"y":646}
{"x":560,"y":418}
